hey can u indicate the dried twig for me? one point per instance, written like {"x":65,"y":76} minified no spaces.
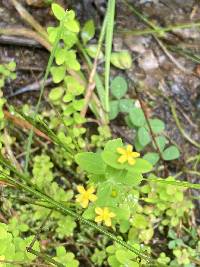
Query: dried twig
{"x":13,"y":31}
{"x":21,"y":41}
{"x":24,"y":124}
{"x":181,"y":130}
{"x":150,"y":128}
{"x":30,"y":87}
{"x":10,"y":152}
{"x":29,"y":19}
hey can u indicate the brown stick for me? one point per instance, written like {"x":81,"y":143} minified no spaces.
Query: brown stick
{"x":24,"y":124}
{"x":150,"y":128}
{"x":28,"y":33}
{"x":90,"y":87}
{"x":29,"y":19}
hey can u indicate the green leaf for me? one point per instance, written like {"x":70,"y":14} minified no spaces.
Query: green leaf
{"x":171,"y":153}
{"x":104,"y":196}
{"x":114,"y":109}
{"x":92,"y":51}
{"x":60,"y":56}
{"x":71,"y":61}
{"x":110,"y":155}
{"x":124,"y":257}
{"x":152,"y":157}
{"x":3,"y":230}
{"x":140,"y":221}
{"x":161,"y":142}
{"x":72,"y":25}
{"x":132,"y":178}
{"x":88,"y":31}
{"x":73,"y":86}
{"x":125,"y":105}
{"x":112,"y":145}
{"x":56,"y":94}
{"x":157,"y":125}
{"x":58,"y":73}
{"x":58,"y":11}
{"x":121,"y":60}
{"x":143,"y":136}
{"x":146,"y":235}
{"x":69,"y":38}
{"x":66,"y":225}
{"x":138,"y":146}
{"x":118,"y":87}
{"x":137,"y":117}
{"x":90,"y":162}
{"x":78,"y":104}
{"x":140,"y":166}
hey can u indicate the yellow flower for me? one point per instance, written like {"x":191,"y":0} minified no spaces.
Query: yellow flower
{"x":85,"y":196}
{"x":2,"y":258}
{"x":127,"y":155}
{"x":104,"y":215}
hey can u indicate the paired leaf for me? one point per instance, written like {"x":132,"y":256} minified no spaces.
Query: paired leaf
{"x":171,"y":153}
{"x":137,"y":117}
{"x":118,"y":87}
{"x":152,"y":157}
{"x":121,"y":60}
{"x":114,"y":109}
{"x":143,"y":136}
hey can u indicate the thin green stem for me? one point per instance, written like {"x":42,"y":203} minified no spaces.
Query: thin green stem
{"x":159,"y":30}
{"x":175,"y":183}
{"x":62,"y":208}
{"x":51,"y":58}
{"x":44,"y":257}
{"x":178,"y":124}
{"x":108,"y":49}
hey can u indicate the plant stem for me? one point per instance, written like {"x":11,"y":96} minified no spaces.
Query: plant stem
{"x":183,"y":133}
{"x":91,"y":83}
{"x":50,"y":61}
{"x":108,"y":49}
{"x":160,"y":30}
{"x":63,"y":209}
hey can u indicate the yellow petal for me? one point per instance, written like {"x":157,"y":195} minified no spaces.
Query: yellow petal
{"x":108,"y":222}
{"x":131,"y":161}
{"x":98,"y":211}
{"x":129,"y":148}
{"x":92,"y":198}
{"x":122,"y":159}
{"x":84,"y":203}
{"x":91,"y":190}
{"x":121,"y":150}
{"x":81,"y":189}
{"x":135,"y":154}
{"x":98,"y":219}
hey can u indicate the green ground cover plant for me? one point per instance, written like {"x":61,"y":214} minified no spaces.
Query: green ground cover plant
{"x":87,"y":198}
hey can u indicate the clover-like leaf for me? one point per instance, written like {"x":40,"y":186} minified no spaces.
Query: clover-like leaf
{"x":121,"y":60}
{"x":137,"y":117}
{"x":171,"y":153}
{"x":118,"y":87}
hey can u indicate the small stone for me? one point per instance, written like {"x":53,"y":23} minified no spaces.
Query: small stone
{"x":148,"y":61}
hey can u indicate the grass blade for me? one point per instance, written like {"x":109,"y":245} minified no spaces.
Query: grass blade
{"x":51,"y":58}
{"x":108,"y":49}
